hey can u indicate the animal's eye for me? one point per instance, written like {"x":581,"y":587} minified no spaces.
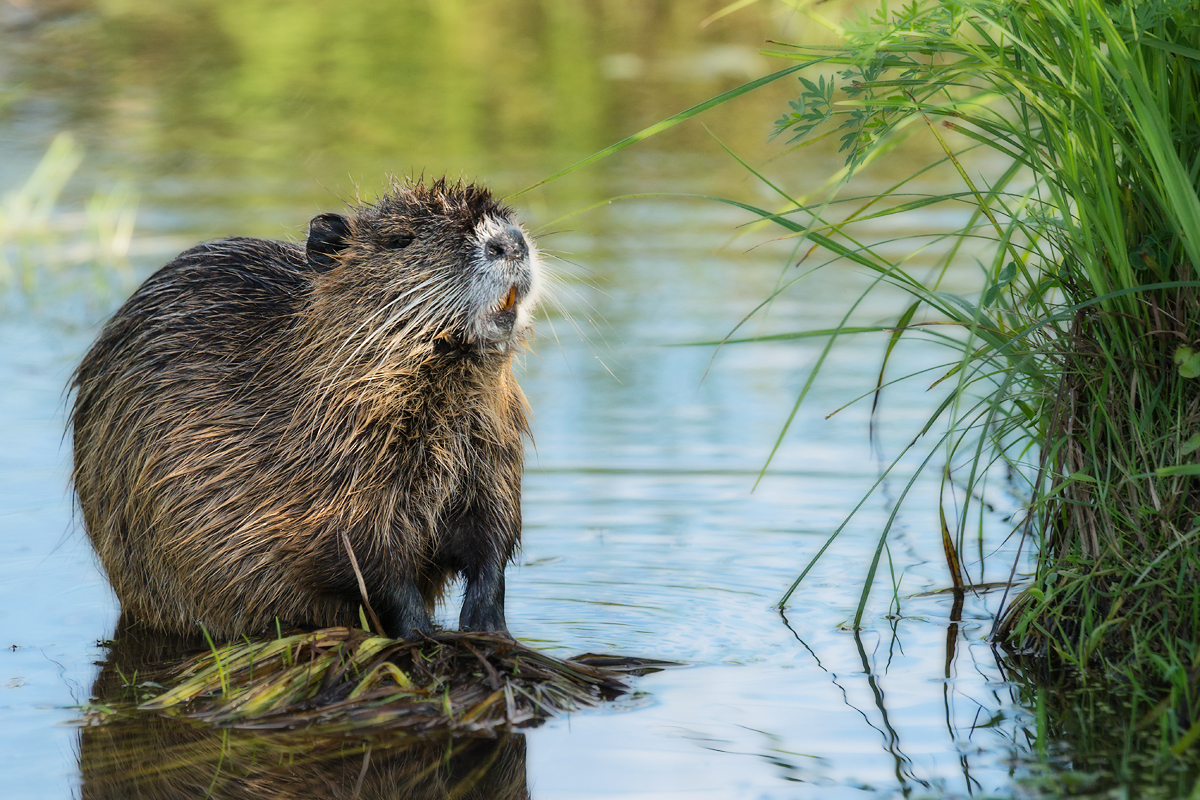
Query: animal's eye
{"x":398,"y":241}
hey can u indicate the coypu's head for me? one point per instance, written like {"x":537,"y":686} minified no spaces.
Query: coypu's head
{"x":438,"y":268}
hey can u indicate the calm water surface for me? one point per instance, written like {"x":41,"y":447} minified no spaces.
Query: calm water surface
{"x":642,"y":533}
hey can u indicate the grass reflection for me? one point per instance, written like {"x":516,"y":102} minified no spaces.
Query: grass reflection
{"x":152,"y":756}
{"x":1097,"y":739}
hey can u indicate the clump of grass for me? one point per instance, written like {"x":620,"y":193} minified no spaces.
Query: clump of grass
{"x":341,"y":680}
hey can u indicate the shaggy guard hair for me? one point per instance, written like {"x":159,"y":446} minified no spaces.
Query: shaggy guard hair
{"x":260,"y":423}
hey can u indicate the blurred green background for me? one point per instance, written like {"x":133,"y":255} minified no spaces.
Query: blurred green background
{"x":254,"y":104}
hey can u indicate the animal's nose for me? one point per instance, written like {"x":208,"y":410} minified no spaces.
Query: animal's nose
{"x":508,"y":244}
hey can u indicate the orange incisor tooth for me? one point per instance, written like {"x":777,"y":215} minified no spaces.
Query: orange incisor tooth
{"x":511,"y":299}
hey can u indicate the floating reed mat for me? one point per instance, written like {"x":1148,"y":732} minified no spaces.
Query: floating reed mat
{"x":339,"y":680}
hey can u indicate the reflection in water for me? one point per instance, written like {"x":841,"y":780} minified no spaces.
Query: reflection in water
{"x":952,"y":636}
{"x":1095,"y":741}
{"x":157,"y":759}
{"x":904,"y":766}
{"x":1104,"y":738}
{"x":906,"y":772}
{"x":153,"y":757}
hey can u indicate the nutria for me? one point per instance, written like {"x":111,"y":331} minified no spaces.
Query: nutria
{"x":268,"y":432}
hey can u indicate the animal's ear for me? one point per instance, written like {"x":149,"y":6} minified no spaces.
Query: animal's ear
{"x":328,"y":235}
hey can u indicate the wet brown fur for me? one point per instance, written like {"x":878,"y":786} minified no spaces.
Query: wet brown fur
{"x":251,"y":403}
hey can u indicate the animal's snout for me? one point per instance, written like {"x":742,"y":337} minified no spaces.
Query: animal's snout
{"x":509,"y":244}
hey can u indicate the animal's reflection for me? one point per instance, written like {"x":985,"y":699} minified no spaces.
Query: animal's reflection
{"x":151,"y":757}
